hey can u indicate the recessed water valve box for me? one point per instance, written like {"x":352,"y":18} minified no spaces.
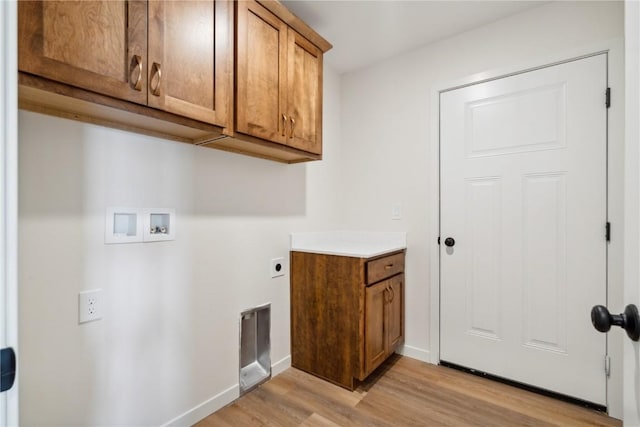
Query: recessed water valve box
{"x":123,"y":225}
{"x":159,"y":225}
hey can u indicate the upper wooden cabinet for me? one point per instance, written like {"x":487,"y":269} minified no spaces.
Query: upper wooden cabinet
{"x":261,"y":73}
{"x":100,"y":46}
{"x":278,"y":80}
{"x":168,"y":69}
{"x":173,"y":56}
{"x":189,"y":59}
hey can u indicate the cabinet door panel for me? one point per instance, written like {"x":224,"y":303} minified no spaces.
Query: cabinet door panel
{"x":261,"y":72}
{"x":95,"y":45}
{"x":189,"y":47}
{"x":395,"y":320}
{"x":375,"y":328}
{"x":304,"y":94}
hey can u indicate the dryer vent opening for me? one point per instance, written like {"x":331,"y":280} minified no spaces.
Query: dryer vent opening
{"x":255,"y":347}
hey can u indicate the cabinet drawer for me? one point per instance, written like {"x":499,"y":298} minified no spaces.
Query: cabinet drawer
{"x":382,"y":268}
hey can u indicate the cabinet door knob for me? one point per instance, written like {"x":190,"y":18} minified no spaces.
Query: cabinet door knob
{"x":284,"y":124}
{"x":449,"y":241}
{"x":293,"y":127}
{"x":136,"y":64}
{"x":156,"y":70}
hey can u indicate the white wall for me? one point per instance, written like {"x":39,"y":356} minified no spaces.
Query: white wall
{"x":387,"y":133}
{"x":169,"y":337}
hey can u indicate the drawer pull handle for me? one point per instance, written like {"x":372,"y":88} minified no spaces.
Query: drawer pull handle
{"x":388,"y":266}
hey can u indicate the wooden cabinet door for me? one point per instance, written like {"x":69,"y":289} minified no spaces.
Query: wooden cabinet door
{"x":395,"y":321}
{"x":304,"y":94}
{"x":376,"y":297}
{"x":95,"y":45}
{"x":189,"y":58}
{"x":261,"y":75}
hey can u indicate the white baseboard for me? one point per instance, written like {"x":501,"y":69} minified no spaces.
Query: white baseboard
{"x":220,"y":400}
{"x":415,"y":353}
{"x":206,"y":408}
{"x":280,"y":366}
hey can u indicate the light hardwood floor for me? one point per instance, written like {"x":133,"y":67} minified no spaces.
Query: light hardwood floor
{"x":403,"y":392}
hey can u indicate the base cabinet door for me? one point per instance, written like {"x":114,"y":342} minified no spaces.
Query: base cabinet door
{"x":99,"y":46}
{"x":376,"y":343}
{"x":395,"y":320}
{"x":384,"y":327}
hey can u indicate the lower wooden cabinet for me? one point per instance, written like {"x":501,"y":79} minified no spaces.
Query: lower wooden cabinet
{"x":347,"y":314}
{"x":383,"y":321}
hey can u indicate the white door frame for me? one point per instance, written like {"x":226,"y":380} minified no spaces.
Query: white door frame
{"x":615,"y":203}
{"x":9,"y":197}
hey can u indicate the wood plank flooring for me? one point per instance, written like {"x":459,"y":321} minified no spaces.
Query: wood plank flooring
{"x":402,"y":392}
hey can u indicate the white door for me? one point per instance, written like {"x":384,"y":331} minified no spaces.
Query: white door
{"x":631,"y":369}
{"x":8,"y":198}
{"x":524,"y":196}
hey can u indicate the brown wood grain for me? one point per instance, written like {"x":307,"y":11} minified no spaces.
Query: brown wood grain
{"x":296,"y":23}
{"x":325,"y":315}
{"x":402,"y":392}
{"x":395,"y":313}
{"x":304,"y":94}
{"x":261,"y":75}
{"x":341,"y":329}
{"x":178,"y":59}
{"x":376,"y":336}
{"x":387,"y":266}
{"x":86,"y":44}
{"x":194,"y":78}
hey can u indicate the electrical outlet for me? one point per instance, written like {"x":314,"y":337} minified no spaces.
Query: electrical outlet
{"x":396,"y":211}
{"x":89,"y":306}
{"x":277,"y":267}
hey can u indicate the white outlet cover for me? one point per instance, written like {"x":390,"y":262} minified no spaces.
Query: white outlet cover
{"x":89,"y":306}
{"x":396,"y":211}
{"x":277,"y":267}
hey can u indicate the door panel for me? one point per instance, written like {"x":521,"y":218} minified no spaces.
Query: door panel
{"x":304,"y":94}
{"x":92,"y":45}
{"x":395,"y":321}
{"x":523,"y":192}
{"x":261,"y":73}
{"x":189,"y":59}
{"x":375,"y":333}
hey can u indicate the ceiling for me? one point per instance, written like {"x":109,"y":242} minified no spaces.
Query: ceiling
{"x":364,"y":32}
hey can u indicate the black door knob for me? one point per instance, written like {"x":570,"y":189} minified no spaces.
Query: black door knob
{"x":602,"y":320}
{"x":449,"y":241}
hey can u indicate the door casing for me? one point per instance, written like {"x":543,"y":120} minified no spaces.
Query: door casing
{"x":615,"y":206}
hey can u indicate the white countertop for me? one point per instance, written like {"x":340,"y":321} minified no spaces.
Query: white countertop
{"x":358,"y":244}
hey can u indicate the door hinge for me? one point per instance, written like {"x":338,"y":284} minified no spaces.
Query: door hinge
{"x":608,"y":97}
{"x":608,"y":231}
{"x":607,"y":365}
